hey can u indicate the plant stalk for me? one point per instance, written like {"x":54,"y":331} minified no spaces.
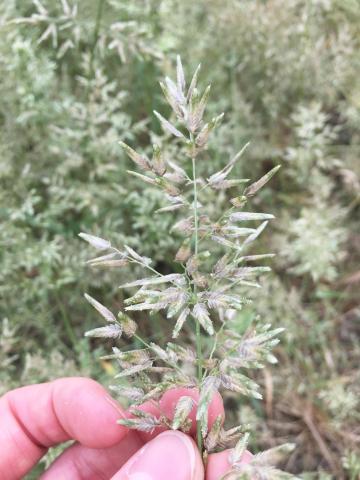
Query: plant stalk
{"x":96,"y":35}
{"x":67,"y":323}
{"x":197,"y":331}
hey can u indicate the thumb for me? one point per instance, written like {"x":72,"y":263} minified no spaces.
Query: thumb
{"x":171,"y":455}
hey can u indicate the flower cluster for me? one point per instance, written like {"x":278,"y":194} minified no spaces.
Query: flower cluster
{"x":214,"y":267}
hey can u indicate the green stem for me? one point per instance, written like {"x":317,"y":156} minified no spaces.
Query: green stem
{"x":67,"y":324}
{"x":139,"y":339}
{"x":144,"y":265}
{"x":198,"y":332}
{"x":96,"y":36}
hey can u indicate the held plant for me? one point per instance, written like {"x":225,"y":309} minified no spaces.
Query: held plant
{"x":212,"y":268}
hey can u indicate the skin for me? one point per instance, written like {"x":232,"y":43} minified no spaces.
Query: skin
{"x":36,"y":417}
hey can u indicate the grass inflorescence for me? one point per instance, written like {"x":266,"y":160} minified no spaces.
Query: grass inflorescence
{"x":207,"y":288}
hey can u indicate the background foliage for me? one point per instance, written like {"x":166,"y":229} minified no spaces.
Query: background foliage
{"x":74,"y":81}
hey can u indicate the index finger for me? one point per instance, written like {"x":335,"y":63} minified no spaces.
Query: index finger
{"x":35,"y":417}
{"x":167,"y":405}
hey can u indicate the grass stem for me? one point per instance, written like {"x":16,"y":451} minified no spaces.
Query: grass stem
{"x":198,"y":332}
{"x":96,"y":36}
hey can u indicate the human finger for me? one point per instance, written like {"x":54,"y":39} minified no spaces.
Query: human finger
{"x":35,"y":417}
{"x":218,"y":464}
{"x":171,"y":455}
{"x":78,"y":462}
{"x":167,"y":406}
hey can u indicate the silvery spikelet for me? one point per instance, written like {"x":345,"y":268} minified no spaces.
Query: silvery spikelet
{"x":216,"y":267}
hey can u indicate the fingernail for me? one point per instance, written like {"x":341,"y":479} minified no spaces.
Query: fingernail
{"x":171,"y":455}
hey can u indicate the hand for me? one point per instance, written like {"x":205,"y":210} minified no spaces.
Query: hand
{"x":35,"y":417}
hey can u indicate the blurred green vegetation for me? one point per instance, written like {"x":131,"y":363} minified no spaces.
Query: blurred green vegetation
{"x":287,"y":74}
